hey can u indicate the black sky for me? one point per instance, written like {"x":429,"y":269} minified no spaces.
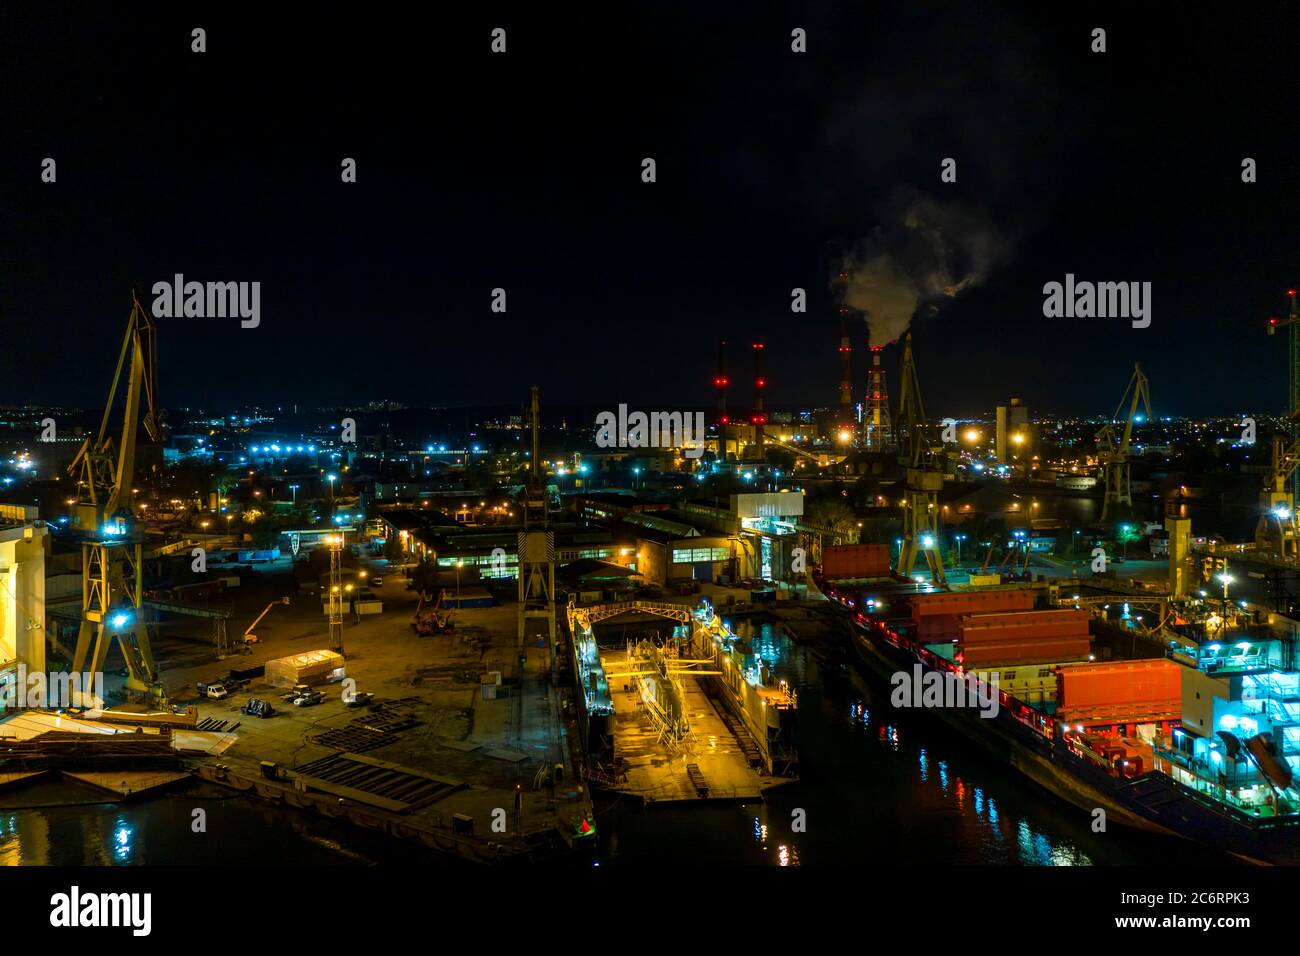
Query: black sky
{"x":523,"y":171}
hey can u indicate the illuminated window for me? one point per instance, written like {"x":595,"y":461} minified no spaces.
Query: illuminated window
{"x":696,"y":555}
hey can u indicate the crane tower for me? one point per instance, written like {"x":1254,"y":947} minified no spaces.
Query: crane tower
{"x":111,"y":543}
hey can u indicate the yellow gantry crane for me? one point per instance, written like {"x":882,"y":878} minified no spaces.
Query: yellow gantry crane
{"x":923,"y":460}
{"x":111,"y":566}
{"x":1113,"y":449}
{"x":1277,"y":532}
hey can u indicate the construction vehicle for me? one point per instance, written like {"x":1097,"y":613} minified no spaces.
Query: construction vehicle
{"x":1113,"y":450}
{"x":102,"y":517}
{"x":434,"y":620}
{"x":256,"y":707}
{"x":923,"y":457}
{"x":249,"y":638}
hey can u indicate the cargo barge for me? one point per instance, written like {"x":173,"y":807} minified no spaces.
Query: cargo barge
{"x":1178,"y":786}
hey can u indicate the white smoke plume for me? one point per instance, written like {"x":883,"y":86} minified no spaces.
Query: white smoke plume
{"x":929,"y":253}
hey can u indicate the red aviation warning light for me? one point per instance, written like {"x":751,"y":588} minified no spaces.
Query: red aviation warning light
{"x":759,"y":417}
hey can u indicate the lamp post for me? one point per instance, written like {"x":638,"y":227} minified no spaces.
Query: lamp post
{"x":960,"y":539}
{"x":1227,"y":579}
{"x":294,"y":490}
{"x":459,"y":564}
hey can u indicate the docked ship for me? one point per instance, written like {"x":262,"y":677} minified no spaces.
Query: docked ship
{"x":1198,"y":741}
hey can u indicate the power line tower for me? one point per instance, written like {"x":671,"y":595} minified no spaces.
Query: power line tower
{"x":536,"y":544}
{"x":923,"y":461}
{"x":336,"y":593}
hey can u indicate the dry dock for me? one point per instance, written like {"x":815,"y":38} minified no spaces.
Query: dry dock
{"x":713,"y":763}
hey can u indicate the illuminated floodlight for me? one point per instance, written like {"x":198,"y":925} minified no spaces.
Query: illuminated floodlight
{"x":120,"y":620}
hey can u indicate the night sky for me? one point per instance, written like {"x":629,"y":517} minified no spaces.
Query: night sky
{"x":523,"y":171}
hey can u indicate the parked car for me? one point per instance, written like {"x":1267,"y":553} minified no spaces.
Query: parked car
{"x":376,"y":582}
{"x":309,"y":699}
{"x":258,"y":708}
{"x":360,"y":699}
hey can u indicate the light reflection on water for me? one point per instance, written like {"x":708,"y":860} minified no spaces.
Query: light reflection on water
{"x":59,"y":825}
{"x":883,"y":784}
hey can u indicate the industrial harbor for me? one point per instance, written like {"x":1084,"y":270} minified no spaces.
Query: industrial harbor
{"x":478,"y":480}
{"x":477,"y":669}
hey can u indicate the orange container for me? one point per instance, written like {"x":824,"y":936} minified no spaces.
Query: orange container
{"x":1009,"y":618}
{"x":1152,"y":684}
{"x":1011,"y":655}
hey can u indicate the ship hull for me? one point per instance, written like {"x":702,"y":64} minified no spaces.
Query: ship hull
{"x":1153,"y":801}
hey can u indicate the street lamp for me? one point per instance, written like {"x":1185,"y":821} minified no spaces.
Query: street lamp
{"x":960,"y":539}
{"x":459,"y":565}
{"x":294,"y":489}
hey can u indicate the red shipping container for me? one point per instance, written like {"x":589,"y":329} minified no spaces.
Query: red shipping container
{"x":1051,"y":652}
{"x":970,"y":602}
{"x":849,"y":561}
{"x":1064,"y":616}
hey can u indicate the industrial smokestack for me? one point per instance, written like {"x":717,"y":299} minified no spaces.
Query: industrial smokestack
{"x":846,"y":371}
{"x":720,"y":382}
{"x":760,"y":383}
{"x":878,"y":425}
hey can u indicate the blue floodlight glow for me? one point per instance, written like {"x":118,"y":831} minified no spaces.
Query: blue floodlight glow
{"x":120,"y":620}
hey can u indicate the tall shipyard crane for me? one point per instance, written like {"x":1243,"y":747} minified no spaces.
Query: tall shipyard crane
{"x":1293,"y":381}
{"x":111,"y":566}
{"x":923,"y":459}
{"x":1276,"y":532}
{"x":1113,"y":453}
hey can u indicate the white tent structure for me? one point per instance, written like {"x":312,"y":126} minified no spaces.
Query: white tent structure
{"x":309,"y":667}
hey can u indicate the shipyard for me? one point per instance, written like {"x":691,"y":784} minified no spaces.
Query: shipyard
{"x":847,"y":453}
